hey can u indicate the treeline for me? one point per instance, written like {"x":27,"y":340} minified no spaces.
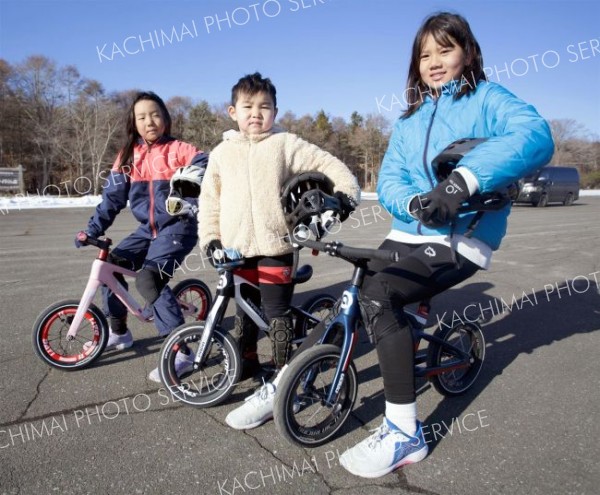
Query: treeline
{"x":66,"y":130}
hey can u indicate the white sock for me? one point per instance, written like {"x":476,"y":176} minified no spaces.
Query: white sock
{"x":404,"y":416}
{"x":278,"y":376}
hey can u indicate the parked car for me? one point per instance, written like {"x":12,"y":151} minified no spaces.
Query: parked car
{"x":550,"y":185}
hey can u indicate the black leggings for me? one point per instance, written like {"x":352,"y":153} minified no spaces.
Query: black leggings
{"x":424,"y":271}
{"x":273,"y":275}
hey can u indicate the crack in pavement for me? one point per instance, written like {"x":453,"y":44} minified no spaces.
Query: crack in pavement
{"x":85,"y":406}
{"x":272,"y":454}
{"x":37,"y":393}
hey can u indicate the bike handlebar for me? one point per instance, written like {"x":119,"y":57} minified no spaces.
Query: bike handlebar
{"x":86,"y":240}
{"x":339,"y":250}
{"x":485,"y":202}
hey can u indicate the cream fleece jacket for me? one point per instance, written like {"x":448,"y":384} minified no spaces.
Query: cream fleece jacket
{"x":239,"y":202}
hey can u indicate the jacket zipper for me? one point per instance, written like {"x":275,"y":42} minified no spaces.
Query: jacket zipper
{"x":151,"y":212}
{"x":427,"y":173}
{"x":427,"y":144}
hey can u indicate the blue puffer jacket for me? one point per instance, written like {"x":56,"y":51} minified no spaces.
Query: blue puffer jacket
{"x":519,"y":143}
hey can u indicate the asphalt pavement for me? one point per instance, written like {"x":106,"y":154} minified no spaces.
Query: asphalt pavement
{"x":528,"y":426}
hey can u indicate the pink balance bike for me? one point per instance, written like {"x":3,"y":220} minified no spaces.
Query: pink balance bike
{"x":71,"y":334}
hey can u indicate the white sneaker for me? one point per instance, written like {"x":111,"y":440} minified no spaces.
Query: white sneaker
{"x":384,"y":451}
{"x":184,"y":363}
{"x":257,"y":409}
{"x":119,"y":342}
{"x":115,"y":341}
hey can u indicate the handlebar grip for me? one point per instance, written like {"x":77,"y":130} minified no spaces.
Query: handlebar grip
{"x":485,"y":202}
{"x":88,"y":240}
{"x":371,"y":254}
{"x":82,"y":237}
{"x":350,"y":252}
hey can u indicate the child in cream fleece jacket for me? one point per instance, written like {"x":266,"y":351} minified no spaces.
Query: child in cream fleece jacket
{"x":241,"y":207}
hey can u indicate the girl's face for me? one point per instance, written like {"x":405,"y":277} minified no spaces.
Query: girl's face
{"x":149,"y":120}
{"x":440,"y":64}
{"x":254,"y":114}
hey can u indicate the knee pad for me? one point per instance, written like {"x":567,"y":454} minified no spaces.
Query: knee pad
{"x":150,"y":283}
{"x":282,"y":334}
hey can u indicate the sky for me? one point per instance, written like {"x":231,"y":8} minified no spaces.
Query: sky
{"x":337,"y":55}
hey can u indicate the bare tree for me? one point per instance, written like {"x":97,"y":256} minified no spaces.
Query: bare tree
{"x":206,"y":125}
{"x":104,"y":120}
{"x":93,"y":120}
{"x":15,"y":146}
{"x":179,"y":108}
{"x":564,"y":131}
{"x":38,"y":89}
{"x":369,"y":138}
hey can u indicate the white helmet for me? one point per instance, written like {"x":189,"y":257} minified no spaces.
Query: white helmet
{"x":185,"y":183}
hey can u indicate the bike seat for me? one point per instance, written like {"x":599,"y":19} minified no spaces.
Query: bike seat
{"x":303,"y":274}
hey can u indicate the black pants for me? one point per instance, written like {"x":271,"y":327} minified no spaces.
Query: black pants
{"x":273,"y":275}
{"x":424,"y":271}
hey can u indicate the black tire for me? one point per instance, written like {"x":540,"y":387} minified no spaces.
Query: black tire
{"x":215,"y":381}
{"x":196,"y":293}
{"x":543,"y":201}
{"x":318,"y":306}
{"x":50,"y":330}
{"x":568,"y":200}
{"x":321,"y":360}
{"x":467,"y":337}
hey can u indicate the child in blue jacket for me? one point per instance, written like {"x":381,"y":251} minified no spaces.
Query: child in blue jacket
{"x":448,"y":99}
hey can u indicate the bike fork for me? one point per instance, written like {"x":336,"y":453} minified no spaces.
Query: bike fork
{"x":342,"y":367}
{"x":214,"y":316}
{"x":84,"y":304}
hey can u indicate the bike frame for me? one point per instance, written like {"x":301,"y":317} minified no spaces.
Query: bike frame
{"x":231,"y":285}
{"x":350,"y":318}
{"x":103,"y":273}
{"x":421,"y":356}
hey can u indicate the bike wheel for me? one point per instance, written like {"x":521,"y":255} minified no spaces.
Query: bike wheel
{"x":319,"y":307}
{"x":301,"y":413}
{"x":468,"y":338}
{"x":194,"y":298}
{"x":50,"y":331}
{"x":214,"y":381}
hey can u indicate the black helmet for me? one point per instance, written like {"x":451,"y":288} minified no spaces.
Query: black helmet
{"x":446,"y":161}
{"x":308,"y":202}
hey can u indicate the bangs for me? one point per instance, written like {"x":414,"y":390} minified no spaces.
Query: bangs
{"x":441,"y":37}
{"x":444,"y":39}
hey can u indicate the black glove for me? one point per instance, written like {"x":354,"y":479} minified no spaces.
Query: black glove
{"x":214,"y":245}
{"x":440,"y":205}
{"x":347,"y":205}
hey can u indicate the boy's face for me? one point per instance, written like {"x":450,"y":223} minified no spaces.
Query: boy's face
{"x":254,"y":114}
{"x":440,"y":64}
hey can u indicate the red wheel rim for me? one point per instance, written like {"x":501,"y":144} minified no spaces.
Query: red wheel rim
{"x":86,"y":349}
